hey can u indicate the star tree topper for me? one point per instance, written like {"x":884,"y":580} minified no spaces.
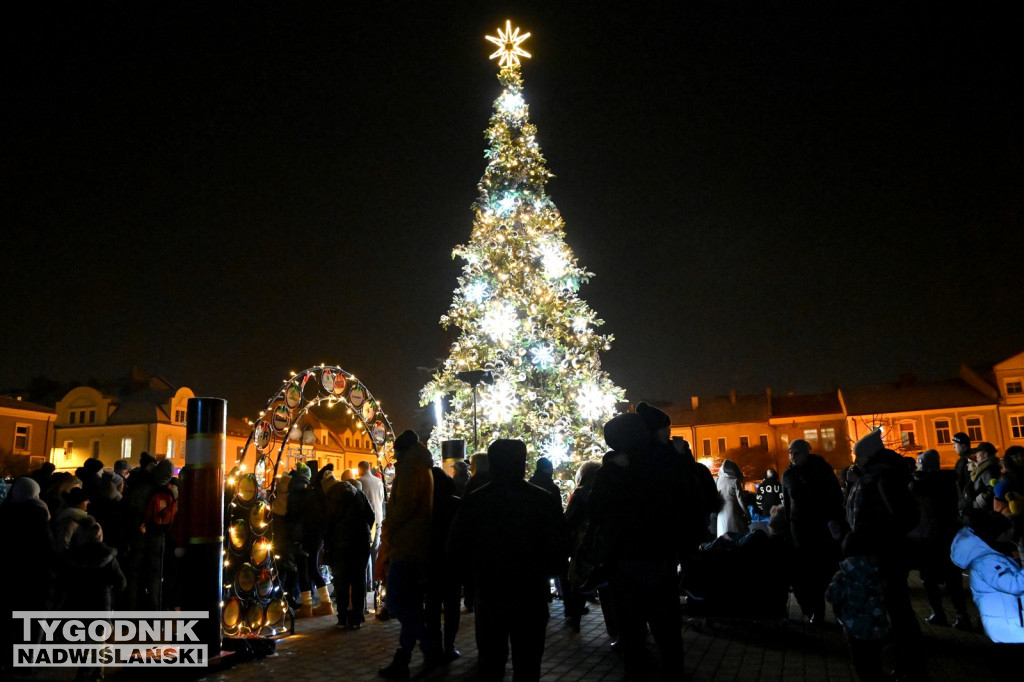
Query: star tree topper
{"x":508,"y":42}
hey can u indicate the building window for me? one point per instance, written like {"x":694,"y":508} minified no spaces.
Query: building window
{"x":744,"y":442}
{"x":1014,"y":387}
{"x":71,"y":418}
{"x":942,"y":434}
{"x":179,"y":416}
{"x":126,"y":447}
{"x":348,"y":442}
{"x":92,"y":416}
{"x":811,"y":436}
{"x":721,"y":446}
{"x":828,"y":438}
{"x":170,"y":448}
{"x":1017,"y":426}
{"x":908,"y":438}
{"x":705,"y":446}
{"x":763,"y":439}
{"x":22,"y":437}
{"x":973,"y":425}
{"x":69,"y":446}
{"x":785,"y":441}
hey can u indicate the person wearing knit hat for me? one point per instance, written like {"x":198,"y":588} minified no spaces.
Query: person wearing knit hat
{"x":962,"y":447}
{"x":302,"y":469}
{"x":984,"y":473}
{"x":122,"y":468}
{"x":868,"y":446}
{"x":627,"y":433}
{"x":814,"y":507}
{"x":655,"y":419}
{"x":405,"y":547}
{"x":73,"y":511}
{"x":936,"y":494}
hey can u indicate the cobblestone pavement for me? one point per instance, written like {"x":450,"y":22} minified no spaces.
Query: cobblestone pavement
{"x":714,"y":650}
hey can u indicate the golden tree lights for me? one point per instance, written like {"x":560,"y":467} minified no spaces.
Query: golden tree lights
{"x":516,"y":305}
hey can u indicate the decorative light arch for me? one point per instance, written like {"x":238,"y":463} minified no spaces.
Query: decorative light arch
{"x":281,"y":421}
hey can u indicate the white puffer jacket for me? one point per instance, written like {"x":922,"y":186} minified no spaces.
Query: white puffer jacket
{"x":997,"y":582}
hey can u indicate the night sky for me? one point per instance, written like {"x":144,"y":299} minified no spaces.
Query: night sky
{"x":772,"y":194}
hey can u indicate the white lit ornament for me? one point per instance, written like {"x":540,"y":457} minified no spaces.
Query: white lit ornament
{"x":543,"y":356}
{"x":500,"y":322}
{"x":556,"y":449}
{"x":553,"y":260}
{"x":477,"y":291}
{"x":498,"y":402}
{"x":593,"y":402}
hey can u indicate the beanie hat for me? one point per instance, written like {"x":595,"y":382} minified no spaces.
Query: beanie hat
{"x":869,"y":444}
{"x":164,"y":472}
{"x":929,"y":460}
{"x":75,"y":497}
{"x":544,"y":464}
{"x":654,"y":418}
{"x":145,"y":459}
{"x":626,"y":433}
{"x":962,"y":438}
{"x":406,"y":440}
{"x":92,"y":465}
{"x":302,"y":469}
{"x":120,"y":466}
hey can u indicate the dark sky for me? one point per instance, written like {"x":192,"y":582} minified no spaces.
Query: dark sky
{"x":772,"y":194}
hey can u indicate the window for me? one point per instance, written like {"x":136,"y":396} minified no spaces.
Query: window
{"x":763,"y":439}
{"x":126,"y":447}
{"x":973,"y":425}
{"x":811,"y":436}
{"x":942,"y":435}
{"x":1017,"y":426}
{"x":1014,"y":387}
{"x":170,"y":448}
{"x":22,"y":437}
{"x":69,"y":446}
{"x":179,"y":416}
{"x":721,"y":446}
{"x":348,"y":442}
{"x":705,"y":447}
{"x":92,"y":416}
{"x":71,"y":417}
{"x":908,"y":438}
{"x":785,"y":441}
{"x":744,"y":442}
{"x":828,"y":438}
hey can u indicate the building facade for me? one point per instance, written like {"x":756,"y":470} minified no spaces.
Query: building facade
{"x":26,"y":436}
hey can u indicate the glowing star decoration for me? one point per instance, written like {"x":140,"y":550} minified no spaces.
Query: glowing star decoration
{"x":580,"y":325}
{"x":508,"y":42}
{"x":594,"y":403}
{"x":500,"y":322}
{"x":543,"y":356}
{"x":499,"y":402}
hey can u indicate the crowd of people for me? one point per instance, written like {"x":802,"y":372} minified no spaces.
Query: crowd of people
{"x":635,"y":527}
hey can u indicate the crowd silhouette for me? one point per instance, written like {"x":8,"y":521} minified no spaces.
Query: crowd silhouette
{"x":646,"y":533}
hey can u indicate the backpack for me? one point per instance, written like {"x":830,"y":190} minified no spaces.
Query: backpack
{"x":161,"y":508}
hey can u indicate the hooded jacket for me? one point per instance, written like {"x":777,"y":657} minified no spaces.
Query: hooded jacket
{"x":733,"y":518}
{"x":406,"y":532}
{"x":997,"y":583}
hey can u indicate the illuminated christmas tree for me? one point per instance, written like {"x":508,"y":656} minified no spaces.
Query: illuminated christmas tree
{"x":520,"y":321}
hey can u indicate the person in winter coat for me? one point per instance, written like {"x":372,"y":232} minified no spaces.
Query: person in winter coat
{"x":25,"y":529}
{"x":70,"y":514}
{"x":306,"y":515}
{"x":584,"y":576}
{"x":512,"y":537}
{"x":634,"y":502}
{"x":937,"y":500}
{"x":984,"y":472}
{"x":814,"y":506}
{"x":733,"y":518}
{"x":347,"y":541}
{"x":997,"y":581}
{"x":405,"y":549}
{"x":769,"y":493}
{"x":880,"y":512}
{"x":461,"y":477}
{"x":444,"y":588}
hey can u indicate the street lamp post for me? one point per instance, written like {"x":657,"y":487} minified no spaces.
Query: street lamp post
{"x":473,"y":378}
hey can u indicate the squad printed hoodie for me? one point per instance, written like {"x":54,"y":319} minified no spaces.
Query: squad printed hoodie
{"x":997,"y":582}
